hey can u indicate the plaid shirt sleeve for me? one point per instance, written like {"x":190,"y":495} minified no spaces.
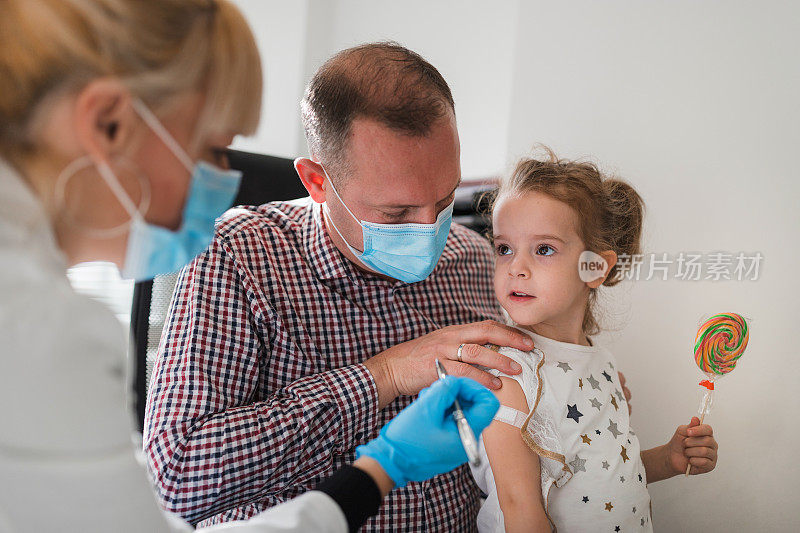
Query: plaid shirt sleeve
{"x":213,"y":441}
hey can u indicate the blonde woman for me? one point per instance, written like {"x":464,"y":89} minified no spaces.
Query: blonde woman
{"x":114,"y":117}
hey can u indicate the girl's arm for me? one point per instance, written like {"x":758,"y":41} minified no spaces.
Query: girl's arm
{"x":656,"y":465}
{"x":515,"y":467}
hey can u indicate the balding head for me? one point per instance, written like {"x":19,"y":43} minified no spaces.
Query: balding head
{"x":382,"y":81}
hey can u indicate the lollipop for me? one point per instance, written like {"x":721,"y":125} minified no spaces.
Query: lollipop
{"x":719,"y":344}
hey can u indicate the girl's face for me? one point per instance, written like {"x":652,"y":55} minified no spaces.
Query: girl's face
{"x":536,"y":277}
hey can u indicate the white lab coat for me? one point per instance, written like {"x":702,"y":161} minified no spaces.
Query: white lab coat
{"x":67,"y":459}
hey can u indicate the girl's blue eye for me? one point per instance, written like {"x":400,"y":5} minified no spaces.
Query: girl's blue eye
{"x":544,"y":248}
{"x":503,"y":249}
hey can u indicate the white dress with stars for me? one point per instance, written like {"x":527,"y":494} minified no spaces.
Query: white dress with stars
{"x":593,"y":478}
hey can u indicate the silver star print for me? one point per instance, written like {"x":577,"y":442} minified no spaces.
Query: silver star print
{"x":620,"y":396}
{"x":605,"y":465}
{"x":595,"y":403}
{"x":595,"y":384}
{"x":577,"y":464}
{"x":622,"y":479}
{"x":564,"y":366}
{"x":612,"y":427}
{"x":642,"y":522}
{"x":612,"y":366}
{"x":634,"y":510}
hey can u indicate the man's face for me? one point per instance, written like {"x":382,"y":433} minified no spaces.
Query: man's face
{"x":394,"y":178}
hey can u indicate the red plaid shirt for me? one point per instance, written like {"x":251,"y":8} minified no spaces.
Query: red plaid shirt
{"x":258,"y":392}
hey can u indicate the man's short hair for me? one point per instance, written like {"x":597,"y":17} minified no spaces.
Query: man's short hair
{"x":383,"y":81}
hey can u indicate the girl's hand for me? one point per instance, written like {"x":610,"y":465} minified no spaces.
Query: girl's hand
{"x":692,"y":444}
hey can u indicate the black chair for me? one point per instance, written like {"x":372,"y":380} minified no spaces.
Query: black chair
{"x":471,"y":208}
{"x":265,"y":179}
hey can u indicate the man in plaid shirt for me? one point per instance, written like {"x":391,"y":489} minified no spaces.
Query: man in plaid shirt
{"x":284,"y":351}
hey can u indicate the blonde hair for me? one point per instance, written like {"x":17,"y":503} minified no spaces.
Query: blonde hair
{"x":160,"y":49}
{"x":609,"y":211}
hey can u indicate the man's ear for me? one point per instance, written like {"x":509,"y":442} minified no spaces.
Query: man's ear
{"x":313,"y":177}
{"x":610,"y":258}
{"x":104,"y":118}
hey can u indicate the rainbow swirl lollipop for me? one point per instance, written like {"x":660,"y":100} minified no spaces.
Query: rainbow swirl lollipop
{"x":720,"y":342}
{"x":718,"y":345}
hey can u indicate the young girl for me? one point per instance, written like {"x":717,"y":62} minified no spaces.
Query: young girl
{"x":561,"y":453}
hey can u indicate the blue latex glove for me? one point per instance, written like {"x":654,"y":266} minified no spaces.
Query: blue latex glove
{"x":422,"y":440}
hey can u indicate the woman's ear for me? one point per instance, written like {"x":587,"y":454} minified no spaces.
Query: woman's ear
{"x":610,"y":258}
{"x":104,"y":118}
{"x":313,"y":177}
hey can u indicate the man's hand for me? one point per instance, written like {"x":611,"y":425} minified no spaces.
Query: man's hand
{"x":692,"y":444}
{"x":407,"y":368}
{"x":625,"y":390}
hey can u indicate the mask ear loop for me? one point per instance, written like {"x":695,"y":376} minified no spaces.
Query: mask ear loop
{"x":162,"y":133}
{"x":333,"y":188}
{"x":327,"y":210}
{"x":111,"y":180}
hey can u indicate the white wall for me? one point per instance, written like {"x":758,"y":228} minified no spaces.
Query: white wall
{"x":696,"y":104}
{"x":280,"y":30}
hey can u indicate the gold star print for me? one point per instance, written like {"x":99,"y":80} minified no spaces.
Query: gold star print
{"x":580,"y":383}
{"x":609,"y":506}
{"x":586,"y":439}
{"x":614,"y":403}
{"x":624,"y":454}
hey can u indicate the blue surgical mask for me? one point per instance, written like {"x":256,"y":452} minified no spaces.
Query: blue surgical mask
{"x":408,"y":252}
{"x":153,"y":250}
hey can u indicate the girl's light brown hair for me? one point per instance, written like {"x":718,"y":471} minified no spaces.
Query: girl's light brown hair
{"x":609,"y":211}
{"x":161,"y":49}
